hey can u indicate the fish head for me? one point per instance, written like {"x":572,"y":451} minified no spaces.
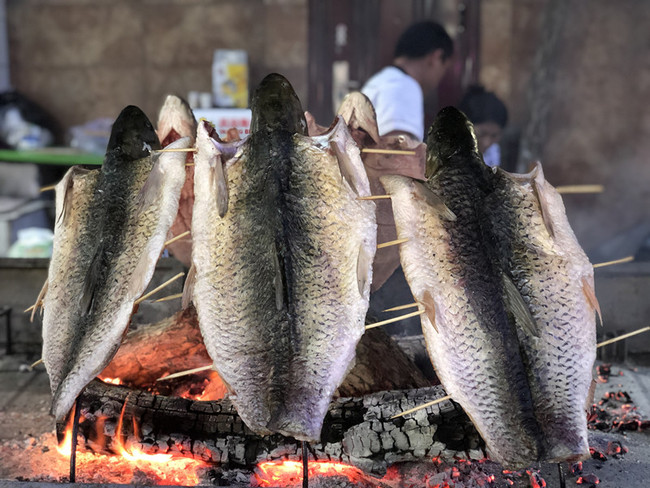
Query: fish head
{"x":132,"y":136}
{"x":175,"y":120}
{"x":450,"y":135}
{"x":275,"y":106}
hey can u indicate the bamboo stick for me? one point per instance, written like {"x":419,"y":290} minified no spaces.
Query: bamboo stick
{"x":157,"y":289}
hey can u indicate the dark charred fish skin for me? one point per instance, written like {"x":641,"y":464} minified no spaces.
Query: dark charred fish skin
{"x":537,"y":247}
{"x":471,"y":338}
{"x":277,"y":286}
{"x":110,"y":230}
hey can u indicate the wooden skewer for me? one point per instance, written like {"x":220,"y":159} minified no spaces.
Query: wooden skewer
{"x":420,"y":407}
{"x":186,"y":372}
{"x":401,"y":307}
{"x":391,"y":243}
{"x":185,"y":149}
{"x":616,"y":261}
{"x":580,"y":189}
{"x":189,"y":164}
{"x":170,"y":297}
{"x":47,"y":188}
{"x":620,"y":338}
{"x":388,"y":151}
{"x":395,"y":319}
{"x":157,"y":289}
{"x":375,"y":197}
{"x":36,"y":363}
{"x":175,"y":238}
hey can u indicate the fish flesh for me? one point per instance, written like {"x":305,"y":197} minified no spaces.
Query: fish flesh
{"x":283,"y":255}
{"x":110,"y":230}
{"x":468,"y":327}
{"x":176,"y":120}
{"x":538,"y":249}
{"x":358,"y":112}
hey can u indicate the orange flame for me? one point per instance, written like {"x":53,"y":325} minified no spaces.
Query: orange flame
{"x":165,"y":467}
{"x":282,"y":473}
{"x":65,"y":448}
{"x":112,"y":381}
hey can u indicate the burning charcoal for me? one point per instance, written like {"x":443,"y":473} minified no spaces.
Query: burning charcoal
{"x":622,"y":396}
{"x":596,"y":454}
{"x":616,"y":449}
{"x":536,"y":480}
{"x":590,"y":479}
{"x":604,"y":370}
{"x":576,"y":468}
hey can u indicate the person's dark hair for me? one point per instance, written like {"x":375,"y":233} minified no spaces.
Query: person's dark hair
{"x":423,"y":38}
{"x":483,"y":106}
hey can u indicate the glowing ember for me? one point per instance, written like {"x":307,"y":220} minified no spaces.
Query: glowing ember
{"x":290,"y":472}
{"x":112,"y":381}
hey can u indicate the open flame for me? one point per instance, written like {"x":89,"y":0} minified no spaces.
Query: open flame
{"x":112,"y":381}
{"x":129,"y":460}
{"x":284,"y":473}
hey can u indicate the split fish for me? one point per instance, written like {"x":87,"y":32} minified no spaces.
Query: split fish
{"x":176,"y":120}
{"x":283,"y":254}
{"x":358,"y":112}
{"x":538,"y":249}
{"x":110,"y":230}
{"x":468,"y":322}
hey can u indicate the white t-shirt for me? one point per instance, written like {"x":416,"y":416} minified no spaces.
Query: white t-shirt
{"x":398,"y":101}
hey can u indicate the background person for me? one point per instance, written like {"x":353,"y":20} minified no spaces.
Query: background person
{"x":489,"y":116}
{"x":422,"y":56}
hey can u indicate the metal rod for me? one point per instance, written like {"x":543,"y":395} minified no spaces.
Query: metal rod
{"x":73,"y":447}
{"x":6,"y":311}
{"x":561,"y":474}
{"x":305,"y":465}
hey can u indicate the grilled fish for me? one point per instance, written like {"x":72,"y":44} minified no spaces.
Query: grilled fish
{"x":176,"y":120}
{"x":537,"y":248}
{"x":469,"y":304}
{"x":110,"y":229}
{"x":282,"y":255}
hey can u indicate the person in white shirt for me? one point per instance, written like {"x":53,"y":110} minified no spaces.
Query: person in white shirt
{"x":422,"y":56}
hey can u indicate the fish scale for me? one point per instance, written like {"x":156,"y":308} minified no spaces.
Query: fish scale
{"x":548,"y":270}
{"x":109,"y":234}
{"x":277,"y":272}
{"x":470,"y":336}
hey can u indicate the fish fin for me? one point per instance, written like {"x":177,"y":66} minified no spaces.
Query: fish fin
{"x":151,"y":188}
{"x":67,"y":185}
{"x":188,"y":287}
{"x":590,"y":294}
{"x":589,"y":401}
{"x":92,"y":280}
{"x":219,"y":185}
{"x":422,"y":193}
{"x":518,"y":307}
{"x":39,"y":299}
{"x":537,"y":184}
{"x":278,"y":280}
{"x":344,"y":164}
{"x":364,"y":265}
{"x":429,"y":308}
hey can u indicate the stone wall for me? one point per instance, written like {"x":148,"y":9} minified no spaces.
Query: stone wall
{"x":84,"y":59}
